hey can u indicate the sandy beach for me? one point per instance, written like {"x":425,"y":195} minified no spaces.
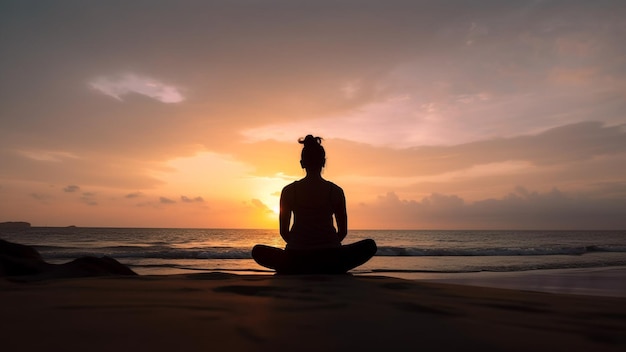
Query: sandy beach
{"x":217,"y":311}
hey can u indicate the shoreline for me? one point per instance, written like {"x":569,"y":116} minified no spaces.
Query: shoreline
{"x":602,"y":281}
{"x":595,"y":281}
{"x":219,"y":311}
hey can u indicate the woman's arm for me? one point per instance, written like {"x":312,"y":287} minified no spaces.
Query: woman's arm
{"x":284,"y":217}
{"x":341,"y":214}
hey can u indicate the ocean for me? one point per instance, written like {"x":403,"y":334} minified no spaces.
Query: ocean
{"x":401,"y":253}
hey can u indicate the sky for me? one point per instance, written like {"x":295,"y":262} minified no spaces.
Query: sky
{"x":435,"y":114}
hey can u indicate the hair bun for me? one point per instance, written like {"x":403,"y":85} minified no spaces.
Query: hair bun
{"x":310,"y":141}
{"x":313,"y":154}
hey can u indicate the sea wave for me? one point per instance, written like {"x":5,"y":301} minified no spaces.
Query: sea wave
{"x":508,"y":268}
{"x":499,"y":251}
{"x":150,"y":252}
{"x":164,"y":252}
{"x":391,"y":271}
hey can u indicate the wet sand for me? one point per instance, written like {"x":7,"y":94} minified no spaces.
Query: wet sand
{"x":605,"y":281}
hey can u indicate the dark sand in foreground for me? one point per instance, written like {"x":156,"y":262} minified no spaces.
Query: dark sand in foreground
{"x":219,"y":312}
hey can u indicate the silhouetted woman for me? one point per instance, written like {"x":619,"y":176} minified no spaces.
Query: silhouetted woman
{"x":313,"y":242}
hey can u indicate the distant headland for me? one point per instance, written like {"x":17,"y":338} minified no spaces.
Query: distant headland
{"x":14,"y":225}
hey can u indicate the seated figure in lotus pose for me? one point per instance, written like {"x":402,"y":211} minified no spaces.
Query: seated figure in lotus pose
{"x":313,"y":243}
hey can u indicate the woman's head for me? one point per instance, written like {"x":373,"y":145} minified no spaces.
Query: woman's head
{"x":313,"y":155}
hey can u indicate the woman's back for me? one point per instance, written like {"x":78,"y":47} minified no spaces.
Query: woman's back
{"x":313,"y":203}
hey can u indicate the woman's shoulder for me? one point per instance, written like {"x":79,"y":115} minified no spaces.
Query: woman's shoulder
{"x":301,"y":184}
{"x":334,"y":186}
{"x":291,"y":187}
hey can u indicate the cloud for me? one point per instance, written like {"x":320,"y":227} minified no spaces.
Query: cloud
{"x":475,"y":32}
{"x":261,"y":206}
{"x":119,"y":86}
{"x":414,"y":114}
{"x":351,"y":89}
{"x":520,"y":209}
{"x":164,"y":200}
{"x":403,"y":125}
{"x":186,"y":199}
{"x":41,"y":197}
{"x":71,"y":189}
{"x":48,"y":155}
{"x":133,"y":195}
{"x":574,"y":143}
{"x":89,"y":198}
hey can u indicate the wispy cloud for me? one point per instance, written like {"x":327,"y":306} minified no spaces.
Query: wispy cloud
{"x":89,"y":198}
{"x":165,"y":200}
{"x":41,"y":197}
{"x":186,"y":199}
{"x":404,"y":125}
{"x":71,"y":189}
{"x":475,"y":31}
{"x":119,"y":86}
{"x":261,"y":206}
{"x":48,"y":155}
